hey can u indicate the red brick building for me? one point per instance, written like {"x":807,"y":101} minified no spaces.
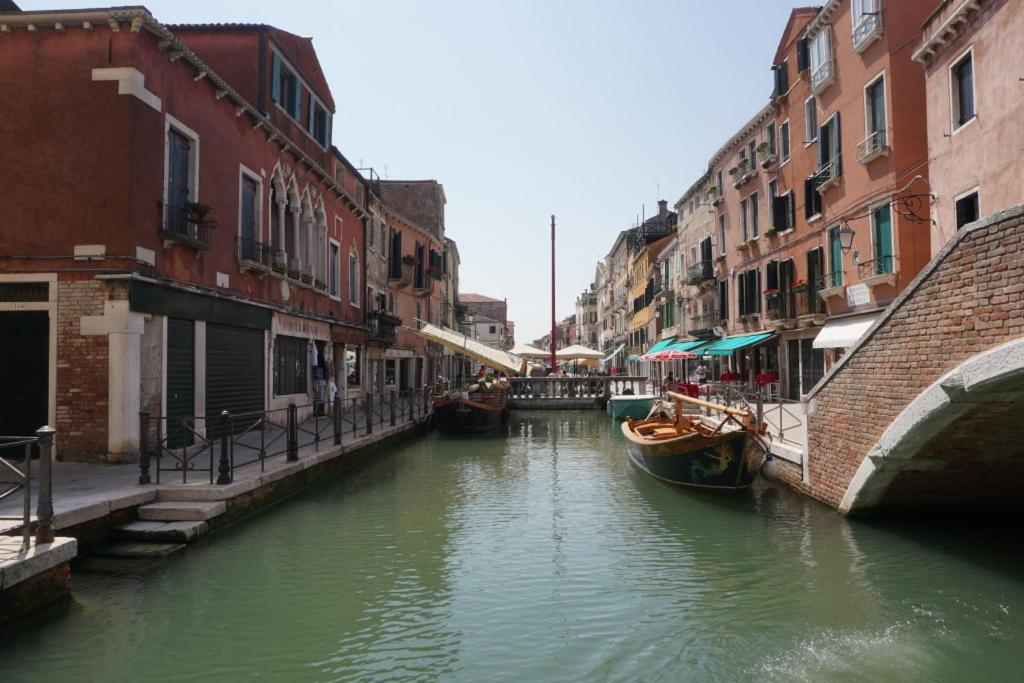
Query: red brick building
{"x":179,"y":235}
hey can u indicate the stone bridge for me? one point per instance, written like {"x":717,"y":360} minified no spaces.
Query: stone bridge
{"x":927,"y":409}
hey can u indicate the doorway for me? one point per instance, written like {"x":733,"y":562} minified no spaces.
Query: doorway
{"x":24,"y":371}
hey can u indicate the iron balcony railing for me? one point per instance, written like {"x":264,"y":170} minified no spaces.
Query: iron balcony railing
{"x":828,"y":174}
{"x":780,"y":305}
{"x":399,"y":273}
{"x":699,"y":272}
{"x":880,"y":265}
{"x":382,"y":327}
{"x":255,"y":252}
{"x":822,"y":75}
{"x":179,"y":225}
{"x":704,"y":324}
{"x":873,"y":146}
{"x":832,"y":280}
{"x":13,"y":480}
{"x":867,"y":29}
{"x":807,"y":300}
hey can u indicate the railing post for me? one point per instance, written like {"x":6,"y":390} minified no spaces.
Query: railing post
{"x":44,"y":509}
{"x":144,"y":448}
{"x":336,"y":414}
{"x":369,"y":415}
{"x":393,"y":404}
{"x":293,"y":433}
{"x":224,"y":467}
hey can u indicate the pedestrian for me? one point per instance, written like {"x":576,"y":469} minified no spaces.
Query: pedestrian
{"x":702,"y":374}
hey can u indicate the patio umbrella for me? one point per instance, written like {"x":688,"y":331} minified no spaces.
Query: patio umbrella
{"x":528,"y":351}
{"x":577,"y":353}
{"x":670,"y":355}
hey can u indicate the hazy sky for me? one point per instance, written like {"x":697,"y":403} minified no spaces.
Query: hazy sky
{"x":526,"y":109}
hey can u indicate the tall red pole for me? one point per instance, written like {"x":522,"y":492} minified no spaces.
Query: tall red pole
{"x":554,"y":338}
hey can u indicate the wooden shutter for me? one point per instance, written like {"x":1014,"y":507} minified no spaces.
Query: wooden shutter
{"x":791,"y":209}
{"x":836,"y":146}
{"x":741,"y":292}
{"x":779,"y":212}
{"x":777,"y":89}
{"x":757,"y":290}
{"x":311,"y":116}
{"x":771,"y":271}
{"x":723,"y":299}
{"x":296,"y":111}
{"x":809,"y":192}
{"x":275,"y":76}
{"x":802,"y":56}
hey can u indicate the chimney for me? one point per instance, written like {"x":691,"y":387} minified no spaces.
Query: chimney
{"x":662,"y":207}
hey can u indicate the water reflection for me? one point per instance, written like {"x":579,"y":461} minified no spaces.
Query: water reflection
{"x":542,"y":554}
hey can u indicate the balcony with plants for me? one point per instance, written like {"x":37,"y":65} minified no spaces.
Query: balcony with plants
{"x":382,"y":327}
{"x":189,"y":225}
{"x":742,"y":172}
{"x":400,"y":271}
{"x":780,"y":308}
{"x":700,"y":272}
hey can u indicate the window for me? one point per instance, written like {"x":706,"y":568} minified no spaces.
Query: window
{"x":721,"y":235}
{"x":810,"y":121}
{"x":784,"y":212}
{"x":285,"y":87}
{"x":812,"y":198}
{"x":773,"y":189}
{"x":493,"y":329}
{"x":770,"y":139}
{"x":967,"y":209}
{"x":389,"y":372}
{"x":334,"y":279}
{"x":248,"y":228}
{"x":721,"y":187}
{"x":784,"y":141}
{"x":353,"y":366}
{"x":867,"y":22}
{"x":755,"y":228}
{"x":962,"y":85}
{"x":353,"y":279}
{"x":318,"y":122}
{"x":181,"y":187}
{"x":745,"y":231}
{"x":781,"y":79}
{"x":752,"y":153}
{"x":723,"y":299}
{"x":874,"y":112}
{"x":290,"y":361}
{"x":881,"y":224}
{"x":749,"y":291}
{"x":821,"y":60}
{"x":829,"y":150}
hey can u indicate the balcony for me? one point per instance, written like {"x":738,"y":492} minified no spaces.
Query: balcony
{"x":700,"y":272}
{"x":382,"y":327}
{"x":294,"y":268}
{"x":831,"y":284}
{"x":780,"y":308}
{"x":179,"y":225}
{"x":307,"y":273}
{"x":399,"y":273}
{"x":828,"y":175}
{"x":741,"y":173}
{"x":873,"y":146}
{"x":703,"y":325}
{"x":878,"y":271}
{"x":867,"y":30}
{"x":822,"y":76}
{"x":810,"y":307}
{"x":253,"y":254}
{"x":715,"y":195}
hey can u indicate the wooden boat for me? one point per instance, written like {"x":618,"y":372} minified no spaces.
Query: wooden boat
{"x":720,"y":454}
{"x":471,"y":412}
{"x":629,"y":406}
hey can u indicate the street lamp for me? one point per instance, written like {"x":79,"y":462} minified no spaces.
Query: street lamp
{"x":845,"y":237}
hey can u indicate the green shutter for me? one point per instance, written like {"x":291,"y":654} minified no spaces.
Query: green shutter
{"x":296,"y":98}
{"x":836,"y":257}
{"x":883,"y":240}
{"x":275,"y":76}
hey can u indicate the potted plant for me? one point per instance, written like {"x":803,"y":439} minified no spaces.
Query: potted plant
{"x":799,"y":285}
{"x":197,"y":211}
{"x":762,"y":147}
{"x":771,"y":231}
{"x":409,"y":260}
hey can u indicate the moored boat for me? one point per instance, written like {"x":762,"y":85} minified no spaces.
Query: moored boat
{"x":721,"y":454}
{"x":629,"y":406}
{"x":467,"y":412}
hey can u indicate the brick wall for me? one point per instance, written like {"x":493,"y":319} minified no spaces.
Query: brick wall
{"x":968,"y":299}
{"x":81,"y":373}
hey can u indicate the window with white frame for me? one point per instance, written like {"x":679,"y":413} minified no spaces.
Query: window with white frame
{"x":744,"y":228}
{"x":249,"y":202}
{"x":754,"y":227}
{"x":784,"y":141}
{"x":820,"y":49}
{"x":874,"y":115}
{"x":334,"y":276}
{"x":353,"y":279}
{"x":721,"y":235}
{"x":867,"y":22}
{"x":810,"y":121}
{"x":181,"y":181}
{"x":967,"y":208}
{"x":961,"y":78}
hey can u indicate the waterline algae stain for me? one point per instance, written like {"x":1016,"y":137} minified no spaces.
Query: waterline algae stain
{"x":545,"y":556}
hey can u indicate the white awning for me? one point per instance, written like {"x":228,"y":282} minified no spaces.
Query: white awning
{"x":577,"y":351}
{"x":844,"y":333}
{"x":614,"y":353}
{"x":471,"y":348}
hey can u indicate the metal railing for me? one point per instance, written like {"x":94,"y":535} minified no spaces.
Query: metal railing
{"x":831,"y":280}
{"x":778,"y":412}
{"x":880,"y":265}
{"x":703,"y":324}
{"x":828,"y":173}
{"x":13,"y":480}
{"x":867,"y":29}
{"x":254,"y":251}
{"x":700,"y":272}
{"x":872,"y":146}
{"x":807,"y":300}
{"x":217,"y":447}
{"x":555,"y":388}
{"x":822,"y":75}
{"x":780,"y":305}
{"x":399,"y":273}
{"x":177,"y":224}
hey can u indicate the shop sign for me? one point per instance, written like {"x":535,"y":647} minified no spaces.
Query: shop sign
{"x":857,"y":295}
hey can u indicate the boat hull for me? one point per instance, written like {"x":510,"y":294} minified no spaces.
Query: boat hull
{"x":467,"y":417}
{"x":728,"y":464}
{"x":631,"y":407}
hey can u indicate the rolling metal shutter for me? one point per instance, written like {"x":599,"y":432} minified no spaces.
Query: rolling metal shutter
{"x":234,"y":374}
{"x":181,"y":374}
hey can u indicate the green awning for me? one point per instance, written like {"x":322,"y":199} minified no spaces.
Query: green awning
{"x":660,"y":346}
{"x":725,"y":347}
{"x":689,"y":344}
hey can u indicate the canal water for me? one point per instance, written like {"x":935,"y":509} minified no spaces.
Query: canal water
{"x":544,"y":556}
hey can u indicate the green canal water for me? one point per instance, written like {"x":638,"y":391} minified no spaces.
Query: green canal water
{"x":545,"y":556}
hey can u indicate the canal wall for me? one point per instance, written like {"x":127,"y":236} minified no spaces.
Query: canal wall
{"x":924,"y":410}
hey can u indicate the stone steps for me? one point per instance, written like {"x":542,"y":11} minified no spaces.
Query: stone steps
{"x":138,"y":550}
{"x":162,"y":532}
{"x":181,"y":511}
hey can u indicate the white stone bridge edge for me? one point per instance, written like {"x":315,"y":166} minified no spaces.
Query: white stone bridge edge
{"x":949,"y":397}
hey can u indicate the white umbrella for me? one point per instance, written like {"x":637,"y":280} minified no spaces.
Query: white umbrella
{"x":576,"y":352}
{"x":527,"y":351}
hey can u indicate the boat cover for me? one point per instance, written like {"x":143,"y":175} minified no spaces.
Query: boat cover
{"x":457,"y":342}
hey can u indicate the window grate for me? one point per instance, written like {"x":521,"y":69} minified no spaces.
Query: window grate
{"x":24,"y":291}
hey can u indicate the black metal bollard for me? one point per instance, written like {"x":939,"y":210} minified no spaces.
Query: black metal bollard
{"x":336,"y":414}
{"x":369,"y":415}
{"x":224,"y":467}
{"x":293,"y":433}
{"x":144,"y":448}
{"x":393,"y":407}
{"x":44,"y":508}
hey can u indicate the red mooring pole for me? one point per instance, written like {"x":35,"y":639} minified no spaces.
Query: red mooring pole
{"x":554,"y":338}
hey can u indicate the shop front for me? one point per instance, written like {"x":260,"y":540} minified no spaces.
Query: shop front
{"x":303,"y":364}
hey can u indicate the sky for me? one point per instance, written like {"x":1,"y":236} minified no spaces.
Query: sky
{"x":588,"y":110}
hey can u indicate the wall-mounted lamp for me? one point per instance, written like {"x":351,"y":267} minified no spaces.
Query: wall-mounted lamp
{"x":846,"y":237}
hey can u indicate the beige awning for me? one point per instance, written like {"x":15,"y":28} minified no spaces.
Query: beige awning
{"x":844,"y":333}
{"x":527,"y":351}
{"x":471,"y":348}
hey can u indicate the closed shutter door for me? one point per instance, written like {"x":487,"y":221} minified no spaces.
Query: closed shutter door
{"x":24,"y":373}
{"x":181,"y":369}
{"x":234,"y":374}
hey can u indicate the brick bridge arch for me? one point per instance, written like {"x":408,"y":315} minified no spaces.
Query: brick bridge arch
{"x":927,"y":409}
